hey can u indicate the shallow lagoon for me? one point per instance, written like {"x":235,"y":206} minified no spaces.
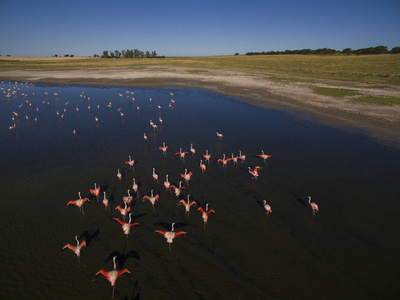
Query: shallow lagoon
{"x":346,"y":250}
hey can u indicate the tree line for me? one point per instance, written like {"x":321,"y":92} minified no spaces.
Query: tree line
{"x":135,"y":53}
{"x":328,"y":51}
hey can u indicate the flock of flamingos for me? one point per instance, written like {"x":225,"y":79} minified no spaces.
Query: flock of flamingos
{"x":125,"y":219}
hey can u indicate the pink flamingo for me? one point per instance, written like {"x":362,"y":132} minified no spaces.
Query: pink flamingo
{"x":207,"y":156}
{"x":192,"y":150}
{"x":167,"y":184}
{"x":181,"y":154}
{"x":186,"y":176}
{"x":79,"y":202}
{"x":119,"y":175}
{"x":170,"y":235}
{"x":234,"y":159}
{"x":220,"y":136}
{"x":202,"y":166}
{"x":135,"y":187}
{"x":187,"y":204}
{"x":177,"y":190}
{"x":267,"y":207}
{"x":95,"y":191}
{"x":223,"y":160}
{"x":113,"y":275}
{"x":126,"y":227}
{"x":242,"y":157}
{"x":254,"y":171}
{"x":205,"y":213}
{"x":76,"y":249}
{"x":155,"y":176}
{"x":151,"y":198}
{"x":264,"y":156}
{"x":105,"y":202}
{"x":164,"y":148}
{"x":127,"y":199}
{"x":130,"y":162}
{"x":124,"y":210}
{"x":313,"y":205}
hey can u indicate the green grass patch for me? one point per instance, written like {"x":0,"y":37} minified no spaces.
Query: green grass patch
{"x":381,"y":100}
{"x":335,"y":92}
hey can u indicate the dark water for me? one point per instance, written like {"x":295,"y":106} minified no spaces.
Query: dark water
{"x":348,"y":250}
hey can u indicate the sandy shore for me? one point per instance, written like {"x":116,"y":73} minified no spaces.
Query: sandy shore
{"x":274,"y":91}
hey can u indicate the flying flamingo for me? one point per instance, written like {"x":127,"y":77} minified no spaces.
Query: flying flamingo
{"x":151,"y":198}
{"x":242,"y":157}
{"x":223,"y":160}
{"x":181,"y":154}
{"x":177,"y":190}
{"x":202,"y":166}
{"x":135,"y":187}
{"x":186,"y":176}
{"x":170,"y":235}
{"x":12,"y":127}
{"x":264,"y":156}
{"x":127,"y":199}
{"x":96,"y":191}
{"x":192,"y":150}
{"x":205,"y":214}
{"x":267,"y":207}
{"x":155,"y":176}
{"x":112,"y":275}
{"x":313,"y":205}
{"x":130,"y":162}
{"x":79,"y":202}
{"x":164,"y":148}
{"x":254,"y":171}
{"x":167,"y":184}
{"x":187,"y":204}
{"x":234,"y":159}
{"x":220,"y":136}
{"x":76,"y":249}
{"x":126,"y":227}
{"x":119,"y":175}
{"x":105,"y":202}
{"x":124,"y":210}
{"x":207,"y":156}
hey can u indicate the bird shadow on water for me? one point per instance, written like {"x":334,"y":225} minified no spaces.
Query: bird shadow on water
{"x":123,"y":257}
{"x":135,"y":295}
{"x":90,"y":235}
{"x":301,"y":201}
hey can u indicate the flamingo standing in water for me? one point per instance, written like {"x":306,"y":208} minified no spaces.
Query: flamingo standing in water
{"x":155,"y":176}
{"x":112,"y":275}
{"x":207,"y":156}
{"x":242,"y":157}
{"x":145,"y":136}
{"x":192,"y":150}
{"x":177,"y":190}
{"x":181,"y":154}
{"x":105,"y":202}
{"x":264,"y":156}
{"x":76,"y":249}
{"x":234,"y":159}
{"x":167,"y":184}
{"x":186,"y":176}
{"x":119,"y":175}
{"x":267,"y":207}
{"x":135,"y":187}
{"x":127,"y":199}
{"x":223,"y":160}
{"x":254,"y":171}
{"x":313,"y":205}
{"x":126,"y":227}
{"x":187,"y":204}
{"x":164,"y":148}
{"x":95,"y":191}
{"x":170,"y":235}
{"x":205,"y":213}
{"x":130,"y":162}
{"x":151,"y":198}
{"x":79,"y":202}
{"x":202,"y":166}
{"x":124,"y":210}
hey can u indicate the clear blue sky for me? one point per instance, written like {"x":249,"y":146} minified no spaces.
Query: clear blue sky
{"x":194,"y":28}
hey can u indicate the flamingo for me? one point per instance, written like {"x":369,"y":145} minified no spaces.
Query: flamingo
{"x":127,"y":199}
{"x":76,"y":249}
{"x":313,"y":205}
{"x":234,"y":159}
{"x":170,"y":235}
{"x":135,"y":187}
{"x":151,"y":198}
{"x":202,"y":166}
{"x":96,"y":191}
{"x":207,"y":156}
{"x":187,"y":204}
{"x":254,"y":171}
{"x":155,"y":176}
{"x":154,"y":127}
{"x":126,"y":227}
{"x":74,"y":131}
{"x":177,"y":190}
{"x":130,"y":162}
{"x":119,"y":175}
{"x":79,"y":202}
{"x":181,"y":154}
{"x":112,"y":275}
{"x":186,"y":176}
{"x":164,"y":148}
{"x":105,"y":202}
{"x":205,"y":214}
{"x":124,"y":210}
{"x":145,"y":136}
{"x":220,"y":135}
{"x":192,"y":149}
{"x":264,"y":156}
{"x":267,"y":207}
{"x":12,"y":127}
{"x":223,"y":160}
{"x":167,"y":184}
{"x":242,"y":157}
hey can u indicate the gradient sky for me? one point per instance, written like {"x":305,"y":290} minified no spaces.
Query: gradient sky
{"x":194,"y":28}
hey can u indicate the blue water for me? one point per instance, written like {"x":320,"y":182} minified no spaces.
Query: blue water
{"x":346,"y":250}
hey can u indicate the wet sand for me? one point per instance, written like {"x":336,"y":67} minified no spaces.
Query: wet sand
{"x":270,"y":90}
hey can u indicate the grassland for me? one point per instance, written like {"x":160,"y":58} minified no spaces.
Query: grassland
{"x":375,"y":69}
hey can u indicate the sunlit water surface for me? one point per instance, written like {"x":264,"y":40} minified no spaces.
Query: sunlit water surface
{"x":349,"y":249}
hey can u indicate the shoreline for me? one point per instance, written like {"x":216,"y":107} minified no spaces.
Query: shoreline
{"x":261,"y":89}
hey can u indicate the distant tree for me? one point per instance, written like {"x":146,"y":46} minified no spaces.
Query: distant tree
{"x":71,"y":55}
{"x":237,"y":53}
{"x":96,"y":55}
{"x":147,"y":54}
{"x":111,"y":54}
{"x":117,"y":54}
{"x":66,"y":55}
{"x":153,"y":54}
{"x":347,"y":51}
{"x":395,"y":50}
{"x":105,"y":54}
